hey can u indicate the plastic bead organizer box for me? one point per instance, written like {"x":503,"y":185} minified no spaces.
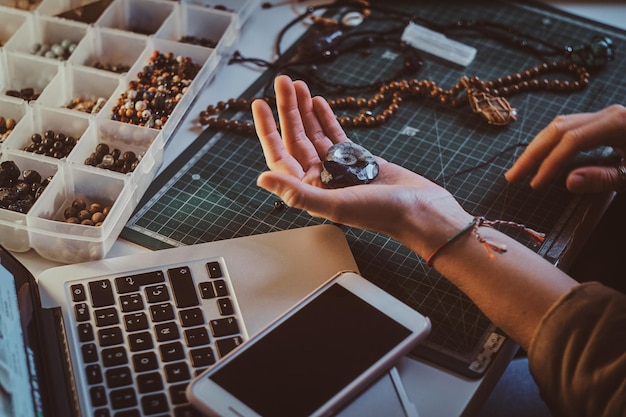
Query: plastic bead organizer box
{"x":61,"y":58}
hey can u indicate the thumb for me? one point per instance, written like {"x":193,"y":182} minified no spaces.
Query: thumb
{"x":596,"y":179}
{"x":292,"y":191}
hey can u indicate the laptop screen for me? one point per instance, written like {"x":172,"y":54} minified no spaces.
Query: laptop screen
{"x":19,"y":388}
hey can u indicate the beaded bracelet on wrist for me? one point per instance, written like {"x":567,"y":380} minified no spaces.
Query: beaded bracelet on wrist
{"x":491,"y":247}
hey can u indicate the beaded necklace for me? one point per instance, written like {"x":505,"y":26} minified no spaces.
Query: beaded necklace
{"x":485,"y":98}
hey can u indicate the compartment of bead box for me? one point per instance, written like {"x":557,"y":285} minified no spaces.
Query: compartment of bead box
{"x":138,"y":16}
{"x":25,"y":76}
{"x":10,"y":22}
{"x":202,"y":26}
{"x":14,"y":231}
{"x":123,"y":105}
{"x":55,"y":237}
{"x":27,"y":5}
{"x":243,"y":9}
{"x":100,"y":49}
{"x":11,"y":112}
{"x":47,"y":37}
{"x":48,"y":133}
{"x":85,"y":11}
{"x":123,"y":150}
{"x":80,"y":89}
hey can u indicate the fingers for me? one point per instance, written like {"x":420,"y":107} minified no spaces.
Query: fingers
{"x":564,"y":137}
{"x":327,"y":118}
{"x":543,"y":144}
{"x":595,"y":180}
{"x":316,"y":201}
{"x":293,"y":101}
{"x":276,"y":156}
{"x":314,"y":128}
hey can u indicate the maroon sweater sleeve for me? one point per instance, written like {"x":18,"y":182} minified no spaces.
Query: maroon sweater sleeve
{"x":578,"y":353}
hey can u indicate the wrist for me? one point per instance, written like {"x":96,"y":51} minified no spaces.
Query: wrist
{"x":429,"y":227}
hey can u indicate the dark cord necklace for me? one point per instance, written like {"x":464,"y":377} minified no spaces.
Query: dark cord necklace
{"x":331,"y":39}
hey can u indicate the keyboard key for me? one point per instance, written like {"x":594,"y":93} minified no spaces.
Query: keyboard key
{"x":131,"y":302}
{"x":106,"y":317}
{"x":128,"y":413}
{"x":186,"y":411}
{"x":132,"y":283}
{"x":101,"y":412}
{"x":81,"y":312}
{"x":183,"y":287}
{"x":197,"y":337}
{"x":89,"y":352}
{"x":149,"y":382}
{"x":123,"y":398}
{"x":221,"y":290}
{"x":157,"y":294}
{"x":214,"y":269}
{"x":94,"y":374}
{"x":166,"y":331}
{"x":110,"y":336}
{"x":177,"y":393}
{"x":101,"y":293}
{"x":78,"y":292}
{"x":224,"y":327}
{"x":114,"y":356}
{"x":118,"y":377}
{"x":140,"y":341}
{"x":202,"y":357}
{"x":177,"y":372}
{"x":85,"y":332}
{"x":206,"y":290}
{"x":226,"y":345}
{"x":98,"y":396}
{"x":153,"y":404}
{"x":172,"y":352}
{"x":191,"y":317}
{"x":145,"y":361}
{"x":225,"y":306}
{"x":135,"y":322}
{"x":162,"y":312}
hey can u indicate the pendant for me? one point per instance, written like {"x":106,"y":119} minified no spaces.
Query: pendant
{"x":496,"y":110}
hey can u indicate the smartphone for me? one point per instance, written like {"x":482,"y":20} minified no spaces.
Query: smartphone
{"x":316,"y":357}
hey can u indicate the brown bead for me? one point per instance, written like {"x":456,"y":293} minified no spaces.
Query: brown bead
{"x":97,"y":217}
{"x":94,"y":208}
{"x":345,"y":121}
{"x":79,"y":204}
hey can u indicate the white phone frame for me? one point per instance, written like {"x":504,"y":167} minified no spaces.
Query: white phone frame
{"x":212,"y":399}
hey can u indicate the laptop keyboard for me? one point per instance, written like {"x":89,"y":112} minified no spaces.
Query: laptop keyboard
{"x":142,"y":337}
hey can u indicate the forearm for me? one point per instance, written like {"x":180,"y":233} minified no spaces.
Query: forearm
{"x":514,"y":289}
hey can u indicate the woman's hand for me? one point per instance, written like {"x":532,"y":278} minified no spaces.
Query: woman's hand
{"x":563,"y":138}
{"x":398,"y":203}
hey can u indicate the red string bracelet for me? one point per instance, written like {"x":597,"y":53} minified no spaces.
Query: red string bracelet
{"x":490,"y":247}
{"x":470,"y":226}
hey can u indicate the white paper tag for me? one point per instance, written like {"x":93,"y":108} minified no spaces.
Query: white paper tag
{"x":438,"y":44}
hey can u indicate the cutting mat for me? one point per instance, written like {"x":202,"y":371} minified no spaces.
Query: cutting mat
{"x":209,"y":192}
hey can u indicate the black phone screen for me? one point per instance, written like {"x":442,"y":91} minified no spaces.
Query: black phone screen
{"x":298,"y":366}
